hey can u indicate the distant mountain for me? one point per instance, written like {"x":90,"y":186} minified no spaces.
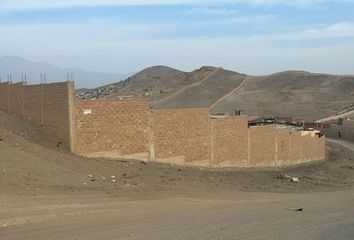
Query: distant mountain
{"x":290,"y":93}
{"x":83,"y":79}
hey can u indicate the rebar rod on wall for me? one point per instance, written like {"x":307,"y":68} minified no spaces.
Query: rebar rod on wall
{"x":43,"y":77}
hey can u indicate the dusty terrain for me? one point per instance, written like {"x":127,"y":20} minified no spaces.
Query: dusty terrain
{"x":159,"y":82}
{"x":48,"y":193}
{"x":206,"y":92}
{"x":292,"y":93}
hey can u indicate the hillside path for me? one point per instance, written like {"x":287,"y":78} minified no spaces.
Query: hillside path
{"x":347,"y":144}
{"x":230,"y":93}
{"x":334,"y":117}
{"x":186,"y":87}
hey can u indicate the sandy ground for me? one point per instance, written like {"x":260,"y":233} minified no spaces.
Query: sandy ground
{"x":47,"y":193}
{"x":232,"y":216}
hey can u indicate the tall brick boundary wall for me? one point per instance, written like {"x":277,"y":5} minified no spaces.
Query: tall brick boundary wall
{"x":182,"y":136}
{"x":113,"y":128}
{"x":237,"y":145}
{"x":131,"y":129}
{"x":230,"y":142}
{"x":49,"y":105}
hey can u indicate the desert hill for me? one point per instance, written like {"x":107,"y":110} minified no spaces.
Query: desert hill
{"x":205,"y":92}
{"x":156,"y":82}
{"x":292,"y":93}
{"x":295,"y":93}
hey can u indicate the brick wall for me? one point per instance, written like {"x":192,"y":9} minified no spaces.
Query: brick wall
{"x":230,"y":141}
{"x":45,"y":104}
{"x":113,"y":128}
{"x":262,"y":146}
{"x":131,"y":129}
{"x":33,"y":103}
{"x":321,"y":149}
{"x":234,"y":144}
{"x":182,"y":136}
{"x":4,"y":95}
{"x":56,"y":108}
{"x":296,"y":148}
{"x":309,"y":147}
{"x":16,"y":99}
{"x":283,"y":148}
{"x":312,"y":148}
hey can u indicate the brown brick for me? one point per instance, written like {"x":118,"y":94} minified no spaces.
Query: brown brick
{"x":262,"y":146}
{"x":45,"y":104}
{"x":182,"y":136}
{"x":230,"y":141}
{"x":120,"y":127}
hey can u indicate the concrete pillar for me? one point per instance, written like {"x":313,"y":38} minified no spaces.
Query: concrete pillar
{"x":71,"y":115}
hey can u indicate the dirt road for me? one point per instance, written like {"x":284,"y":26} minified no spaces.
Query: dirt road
{"x":335,"y":117}
{"x":235,"y":216}
{"x":347,"y":144}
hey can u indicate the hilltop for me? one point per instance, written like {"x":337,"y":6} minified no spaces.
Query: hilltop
{"x":156,"y":82}
{"x":292,"y":93}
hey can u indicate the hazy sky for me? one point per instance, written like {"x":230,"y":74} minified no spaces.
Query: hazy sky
{"x":251,"y":36}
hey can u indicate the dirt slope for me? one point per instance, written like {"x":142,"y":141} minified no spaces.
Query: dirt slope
{"x":206,"y":93}
{"x":156,"y":82}
{"x":293,"y":93}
